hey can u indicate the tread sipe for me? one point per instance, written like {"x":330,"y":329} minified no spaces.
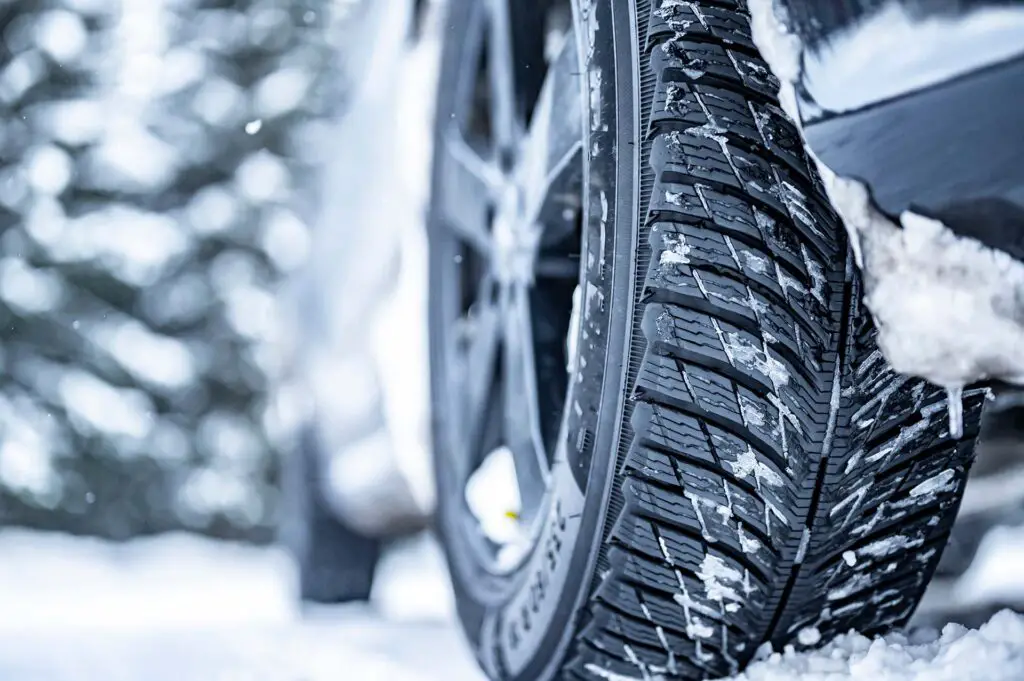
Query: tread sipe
{"x":781,"y":483}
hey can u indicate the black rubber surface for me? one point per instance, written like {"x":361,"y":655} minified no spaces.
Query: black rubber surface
{"x":780,"y":476}
{"x":765,"y":473}
{"x":937,"y":153}
{"x":336,"y":564}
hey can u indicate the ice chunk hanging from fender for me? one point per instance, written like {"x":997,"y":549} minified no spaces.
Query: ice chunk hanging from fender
{"x":955,"y":407}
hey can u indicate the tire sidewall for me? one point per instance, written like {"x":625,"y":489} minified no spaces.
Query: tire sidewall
{"x":522,"y":623}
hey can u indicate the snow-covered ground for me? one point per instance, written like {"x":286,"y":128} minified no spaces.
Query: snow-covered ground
{"x":180,"y":608}
{"x":995,"y":652}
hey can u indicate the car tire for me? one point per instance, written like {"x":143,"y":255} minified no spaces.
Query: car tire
{"x":732,"y":462}
{"x":335,"y":564}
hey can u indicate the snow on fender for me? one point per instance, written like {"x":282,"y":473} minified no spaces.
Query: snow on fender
{"x":948,"y":309}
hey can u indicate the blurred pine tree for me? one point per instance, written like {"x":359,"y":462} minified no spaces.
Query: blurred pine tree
{"x":154,"y":160}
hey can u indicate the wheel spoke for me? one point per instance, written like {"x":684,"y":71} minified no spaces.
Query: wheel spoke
{"x":553,"y":148}
{"x":508,"y":181}
{"x":505,"y":125}
{"x":469,"y":184}
{"x":522,"y":427}
{"x":483,"y":335}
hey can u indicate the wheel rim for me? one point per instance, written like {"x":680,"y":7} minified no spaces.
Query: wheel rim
{"x":505,"y":236}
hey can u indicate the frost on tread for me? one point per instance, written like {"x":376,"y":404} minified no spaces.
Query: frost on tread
{"x":782,"y":483}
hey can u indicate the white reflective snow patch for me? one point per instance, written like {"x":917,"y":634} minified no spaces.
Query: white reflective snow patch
{"x":948,"y":308}
{"x":993,"y":653}
{"x":809,"y":636}
{"x":62,"y":35}
{"x":159,"y":360}
{"x":676,"y":251}
{"x":892,"y":52}
{"x":719,"y":579}
{"x":888,"y":546}
{"x":749,"y":356}
{"x":93,"y":405}
{"x":943,"y":482}
{"x":183,"y":608}
{"x":28,"y":452}
{"x":136,"y":246}
{"x":748,"y":464}
{"x":492,"y":495}
{"x":29,"y":289}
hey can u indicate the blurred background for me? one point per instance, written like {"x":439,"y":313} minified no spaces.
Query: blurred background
{"x":155,"y":189}
{"x":191,"y":218}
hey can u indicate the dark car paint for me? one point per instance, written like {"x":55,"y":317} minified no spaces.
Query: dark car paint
{"x":952,"y":152}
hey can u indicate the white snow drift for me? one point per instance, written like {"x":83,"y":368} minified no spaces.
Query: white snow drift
{"x":993,"y":653}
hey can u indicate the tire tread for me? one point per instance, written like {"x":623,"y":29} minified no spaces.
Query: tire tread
{"x":770,"y":444}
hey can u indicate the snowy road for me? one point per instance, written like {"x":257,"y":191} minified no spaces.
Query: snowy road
{"x":336,"y":652}
{"x":185,"y":609}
